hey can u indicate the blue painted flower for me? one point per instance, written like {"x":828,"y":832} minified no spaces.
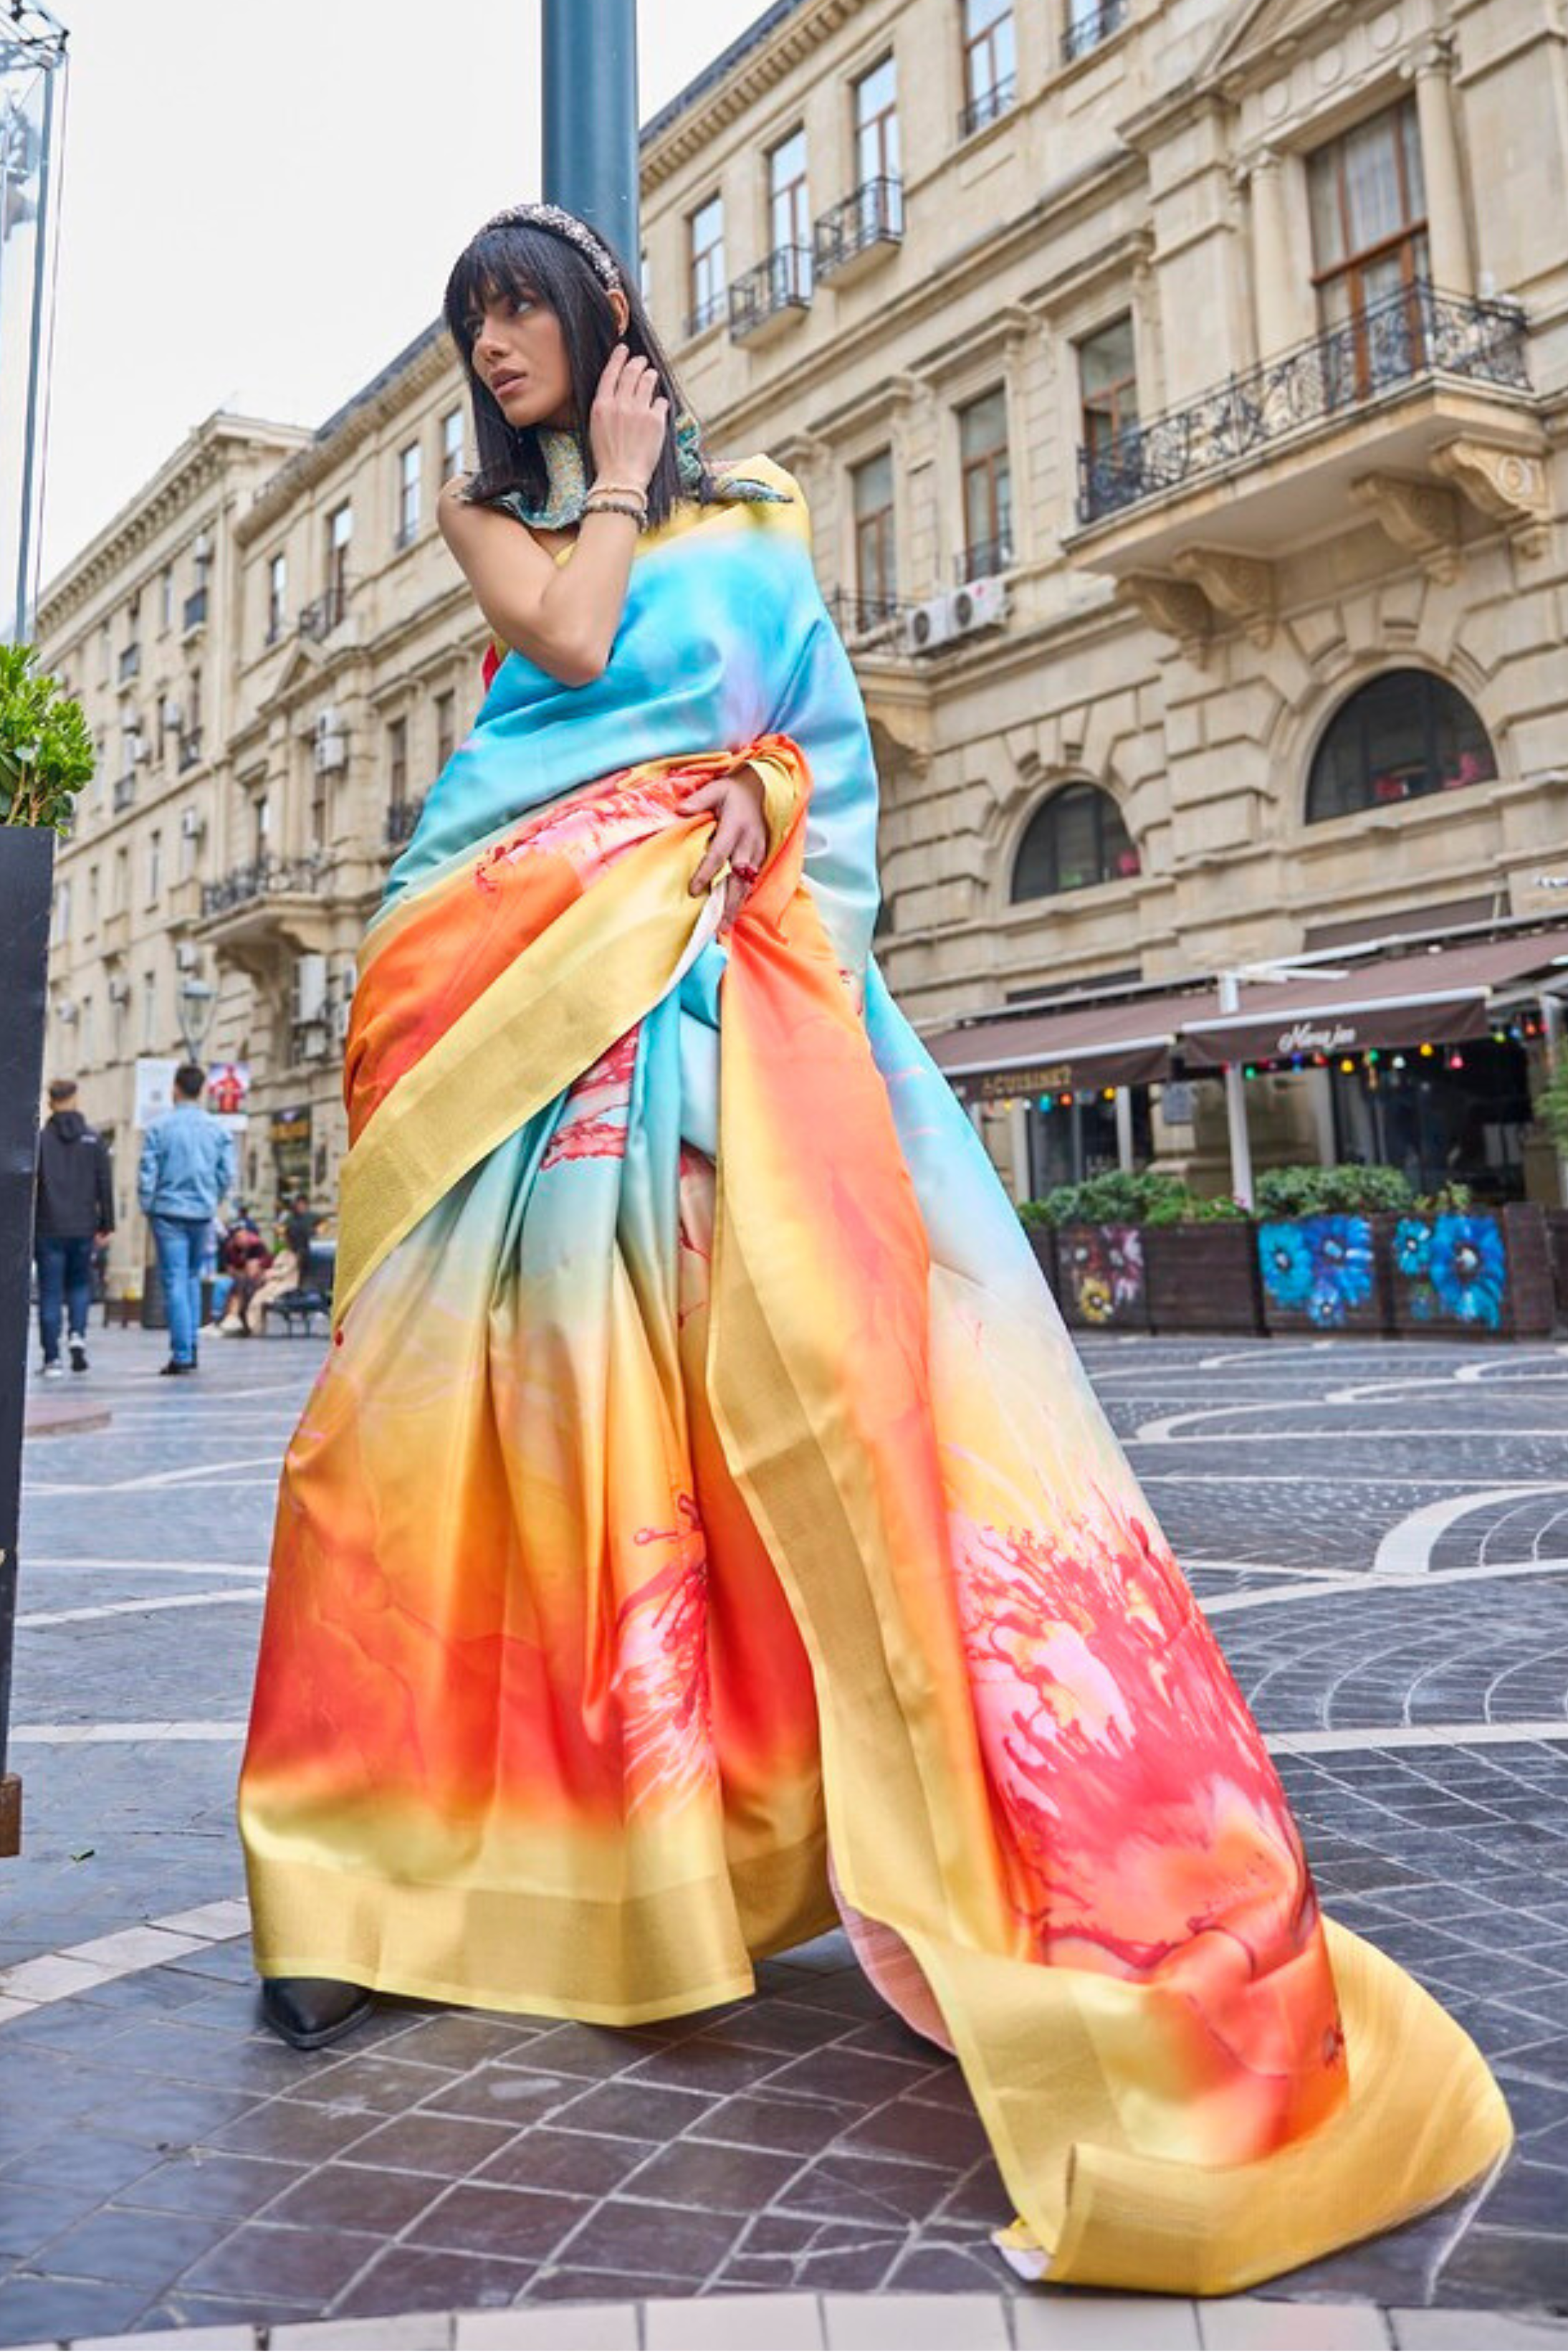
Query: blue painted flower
{"x":1411,"y":1246}
{"x":1342,"y":1267}
{"x":1285,"y":1257}
{"x":1470,"y":1269}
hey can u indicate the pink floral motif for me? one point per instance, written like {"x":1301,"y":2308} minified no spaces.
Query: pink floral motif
{"x":1138,"y":1806}
{"x":661,"y":1677}
{"x":592,"y":1126}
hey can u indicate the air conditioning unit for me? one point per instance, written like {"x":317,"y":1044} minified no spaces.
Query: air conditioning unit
{"x":173,"y":713}
{"x":201,"y":547}
{"x":119,"y":991}
{"x":136,"y":748}
{"x":193,"y":824}
{"x":928,"y":626}
{"x":331,"y":743}
{"x":186,"y":957}
{"x":979,"y":604}
{"x":310,"y":988}
{"x":68,"y":1013}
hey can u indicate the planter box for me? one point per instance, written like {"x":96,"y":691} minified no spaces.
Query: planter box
{"x":1482,"y":1274}
{"x":1102,"y":1279}
{"x":1557,"y":1242}
{"x":1042,"y":1239}
{"x":1202,"y":1277}
{"x":1329,"y":1272}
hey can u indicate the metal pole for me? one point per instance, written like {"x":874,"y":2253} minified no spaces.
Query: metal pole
{"x":1556,"y":1047}
{"x":1236,"y":1103}
{"x":35,"y":364}
{"x":1124,"y":1153}
{"x":590,"y":115}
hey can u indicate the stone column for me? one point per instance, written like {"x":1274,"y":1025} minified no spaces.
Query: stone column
{"x":1448,"y":236}
{"x":1274,"y":305}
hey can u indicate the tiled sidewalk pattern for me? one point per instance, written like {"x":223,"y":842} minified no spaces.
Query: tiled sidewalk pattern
{"x":163,"y":2162}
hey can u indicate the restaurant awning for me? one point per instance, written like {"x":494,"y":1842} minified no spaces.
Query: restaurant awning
{"x":1441,"y":995}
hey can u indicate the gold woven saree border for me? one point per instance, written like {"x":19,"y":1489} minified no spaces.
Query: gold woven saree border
{"x":596,"y":970}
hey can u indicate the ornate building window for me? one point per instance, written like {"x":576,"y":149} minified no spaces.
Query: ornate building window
{"x":1369,"y":248}
{"x":1398,"y":738}
{"x":1076,"y":839}
{"x":986,"y":470}
{"x":704,"y":278}
{"x":876,"y":564}
{"x":990,"y":63}
{"x":1108,"y":387}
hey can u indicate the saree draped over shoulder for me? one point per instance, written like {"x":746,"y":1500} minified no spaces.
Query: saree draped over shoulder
{"x":702,"y":1512}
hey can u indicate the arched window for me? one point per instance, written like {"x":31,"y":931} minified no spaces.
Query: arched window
{"x":1076,"y":839}
{"x":1397,"y":738}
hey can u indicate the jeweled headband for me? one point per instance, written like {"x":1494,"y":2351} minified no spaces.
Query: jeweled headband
{"x":563,"y":223}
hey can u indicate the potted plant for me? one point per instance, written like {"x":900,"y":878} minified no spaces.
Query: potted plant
{"x":1202,"y":1265}
{"x":46,"y":757}
{"x":1323,"y":1235}
{"x":1479,"y":1273}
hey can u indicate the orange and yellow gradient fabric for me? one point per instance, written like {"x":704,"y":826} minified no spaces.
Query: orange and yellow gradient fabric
{"x":700,"y":1486}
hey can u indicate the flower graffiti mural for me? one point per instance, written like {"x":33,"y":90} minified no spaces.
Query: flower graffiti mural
{"x":1102,"y":1272}
{"x":1322,"y":1268}
{"x":1454,"y":1269}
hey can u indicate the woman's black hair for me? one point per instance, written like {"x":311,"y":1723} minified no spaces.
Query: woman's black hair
{"x":521,"y":259}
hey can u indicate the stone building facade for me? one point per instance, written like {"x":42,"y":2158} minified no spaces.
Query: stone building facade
{"x":1160,"y":377}
{"x":1180,"y":393}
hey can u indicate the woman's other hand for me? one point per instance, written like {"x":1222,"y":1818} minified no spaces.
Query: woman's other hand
{"x":627,"y":422}
{"x":739,"y":836}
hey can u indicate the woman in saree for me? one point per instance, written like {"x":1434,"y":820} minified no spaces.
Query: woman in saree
{"x":702,"y":1531}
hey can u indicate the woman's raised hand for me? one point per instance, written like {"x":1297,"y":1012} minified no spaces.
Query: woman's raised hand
{"x":739,"y":837}
{"x":627,"y":422}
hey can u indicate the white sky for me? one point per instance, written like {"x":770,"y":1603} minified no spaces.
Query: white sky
{"x":262,"y":201}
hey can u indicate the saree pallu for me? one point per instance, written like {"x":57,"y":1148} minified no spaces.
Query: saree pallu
{"x":702,"y":1514}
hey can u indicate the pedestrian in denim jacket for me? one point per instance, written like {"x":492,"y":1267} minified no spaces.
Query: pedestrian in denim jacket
{"x":187,"y":1167}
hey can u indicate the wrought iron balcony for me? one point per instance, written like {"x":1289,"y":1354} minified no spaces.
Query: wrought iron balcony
{"x":264,"y":878}
{"x":859,"y":615}
{"x":708,"y":311}
{"x":320,"y":619}
{"x":985,"y":559}
{"x":1087,"y":28}
{"x":1401,"y":337}
{"x":988,"y":105}
{"x":778,"y":289}
{"x":401,"y":818}
{"x":196,"y":611}
{"x":868,"y":221}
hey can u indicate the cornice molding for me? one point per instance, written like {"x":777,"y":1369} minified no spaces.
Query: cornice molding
{"x":750,"y":82}
{"x":364,"y":418}
{"x":207,"y":457}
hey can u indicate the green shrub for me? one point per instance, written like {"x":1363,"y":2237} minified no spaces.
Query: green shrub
{"x":1551,"y":1104}
{"x":1330,"y":1191}
{"x":46,"y":751}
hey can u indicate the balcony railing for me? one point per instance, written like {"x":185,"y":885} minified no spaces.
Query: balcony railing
{"x":858,"y":615}
{"x":264,"y":878}
{"x":873,"y":215}
{"x":780,"y":284}
{"x":1087,"y":28}
{"x":707,"y":312}
{"x":130,"y":662}
{"x":987,"y":105}
{"x":985,"y":559}
{"x":1415,"y":331}
{"x":196,"y":611}
{"x":401,"y":818}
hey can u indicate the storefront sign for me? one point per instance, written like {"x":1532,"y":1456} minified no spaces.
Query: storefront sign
{"x":290,"y":1134}
{"x":228,"y":1083}
{"x":1001,"y":1085}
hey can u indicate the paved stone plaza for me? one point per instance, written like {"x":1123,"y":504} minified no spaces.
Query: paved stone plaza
{"x":1380,"y":1535}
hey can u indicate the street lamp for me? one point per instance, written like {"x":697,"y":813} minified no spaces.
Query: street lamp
{"x":590,"y":115}
{"x":198,"y":1000}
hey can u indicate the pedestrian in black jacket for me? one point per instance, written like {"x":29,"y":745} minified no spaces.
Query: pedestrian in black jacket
{"x":75,"y":1209}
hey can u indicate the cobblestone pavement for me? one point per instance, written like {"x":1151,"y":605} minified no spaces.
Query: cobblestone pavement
{"x":1380,"y":1534}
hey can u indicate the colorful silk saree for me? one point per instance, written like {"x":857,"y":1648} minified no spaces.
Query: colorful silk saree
{"x":702,"y":1527}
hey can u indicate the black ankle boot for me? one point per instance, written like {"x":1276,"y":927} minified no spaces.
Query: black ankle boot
{"x":309,"y":2011}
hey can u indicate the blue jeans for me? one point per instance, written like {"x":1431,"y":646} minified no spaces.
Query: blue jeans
{"x":180,"y":1242}
{"x":65,"y":1278}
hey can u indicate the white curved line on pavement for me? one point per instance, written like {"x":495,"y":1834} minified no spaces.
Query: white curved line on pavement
{"x":1407,"y":1549}
{"x":34,"y":1618}
{"x":1360,"y":1580}
{"x":84,"y":1563}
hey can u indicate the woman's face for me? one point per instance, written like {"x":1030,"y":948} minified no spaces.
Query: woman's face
{"x":520,"y":356}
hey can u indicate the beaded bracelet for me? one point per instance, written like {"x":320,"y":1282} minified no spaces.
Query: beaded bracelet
{"x":638,"y":514}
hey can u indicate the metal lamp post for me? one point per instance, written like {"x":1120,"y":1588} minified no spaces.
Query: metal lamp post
{"x":590,"y":115}
{"x":32,"y":78}
{"x":198,"y":1002}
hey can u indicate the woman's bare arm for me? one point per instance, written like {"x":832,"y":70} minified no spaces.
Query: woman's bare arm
{"x":564,"y":618}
